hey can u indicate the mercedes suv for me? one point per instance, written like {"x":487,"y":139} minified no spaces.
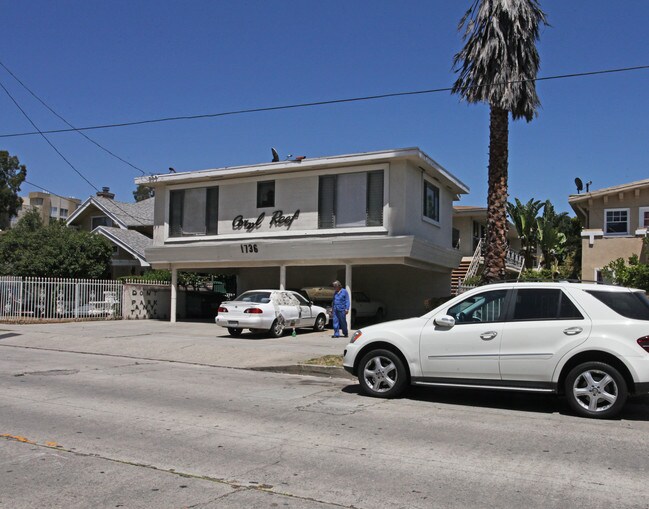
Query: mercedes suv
{"x":587,"y":342}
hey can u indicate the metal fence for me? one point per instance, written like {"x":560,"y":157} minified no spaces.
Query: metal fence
{"x":32,"y":299}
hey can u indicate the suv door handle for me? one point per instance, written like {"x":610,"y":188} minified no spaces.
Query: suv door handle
{"x":572,"y":331}
{"x":488,"y":336}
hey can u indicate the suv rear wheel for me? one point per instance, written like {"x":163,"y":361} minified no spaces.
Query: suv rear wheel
{"x":596,"y":389}
{"x":382,"y":374}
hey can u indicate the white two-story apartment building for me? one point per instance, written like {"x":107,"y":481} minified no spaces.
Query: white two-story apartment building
{"x":380,"y":222}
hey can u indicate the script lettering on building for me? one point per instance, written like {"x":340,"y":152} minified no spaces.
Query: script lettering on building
{"x":277,"y":220}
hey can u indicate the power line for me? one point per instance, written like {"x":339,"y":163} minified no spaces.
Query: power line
{"x":321,"y":103}
{"x":46,"y":139}
{"x":68,"y":123}
{"x":57,"y":150}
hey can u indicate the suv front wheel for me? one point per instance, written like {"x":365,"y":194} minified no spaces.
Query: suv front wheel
{"x":596,"y":389}
{"x":381,"y":374}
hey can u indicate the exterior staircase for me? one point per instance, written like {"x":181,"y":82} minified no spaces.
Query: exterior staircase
{"x":470,"y":264}
{"x":459,"y":274}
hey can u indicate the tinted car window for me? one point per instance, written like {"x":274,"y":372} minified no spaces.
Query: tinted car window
{"x":483,"y":307}
{"x":543,"y":304}
{"x":633,"y":305}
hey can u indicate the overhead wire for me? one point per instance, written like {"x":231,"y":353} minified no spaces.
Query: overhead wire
{"x":322,"y":103}
{"x":68,"y":123}
{"x":58,"y":151}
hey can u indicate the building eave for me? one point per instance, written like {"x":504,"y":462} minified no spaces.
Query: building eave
{"x":283,"y":167}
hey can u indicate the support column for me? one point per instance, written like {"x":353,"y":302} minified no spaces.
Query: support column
{"x":348,"y":287}
{"x":282,"y":277}
{"x":174,"y":293}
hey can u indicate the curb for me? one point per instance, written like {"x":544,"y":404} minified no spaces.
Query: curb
{"x":308,"y":369}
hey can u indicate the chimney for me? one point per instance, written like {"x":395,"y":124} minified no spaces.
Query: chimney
{"x":105,"y":193}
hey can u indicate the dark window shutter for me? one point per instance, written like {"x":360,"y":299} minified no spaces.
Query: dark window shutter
{"x":176,"y":199}
{"x":375,"y":198}
{"x":212,"y":211}
{"x":327,"y":201}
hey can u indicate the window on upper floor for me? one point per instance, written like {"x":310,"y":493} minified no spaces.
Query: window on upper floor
{"x":644,"y":217}
{"x":193,"y":212}
{"x":54,"y":212}
{"x":36,"y":201}
{"x":100,"y":221}
{"x":341,"y":203}
{"x":266,"y":194}
{"x":455,"y":238}
{"x":63,"y":214}
{"x":616,"y":221}
{"x":431,"y":201}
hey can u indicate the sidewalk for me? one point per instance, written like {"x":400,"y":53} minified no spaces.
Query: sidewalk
{"x":190,"y":342}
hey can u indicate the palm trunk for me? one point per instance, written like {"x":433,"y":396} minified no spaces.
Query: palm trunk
{"x":496,"y":248}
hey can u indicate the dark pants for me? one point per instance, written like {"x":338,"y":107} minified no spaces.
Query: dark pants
{"x":340,"y":321}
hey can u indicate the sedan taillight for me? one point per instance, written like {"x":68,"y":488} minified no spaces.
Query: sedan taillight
{"x":222,"y":309}
{"x":253,"y":311}
{"x":644,"y":343}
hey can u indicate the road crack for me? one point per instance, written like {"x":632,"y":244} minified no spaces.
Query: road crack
{"x":237,"y":486}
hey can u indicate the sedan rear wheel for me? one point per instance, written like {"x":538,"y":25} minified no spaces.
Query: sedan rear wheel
{"x":596,"y":389}
{"x":381,"y":374}
{"x":277,"y":329}
{"x":320,"y":323}
{"x":235,"y":332}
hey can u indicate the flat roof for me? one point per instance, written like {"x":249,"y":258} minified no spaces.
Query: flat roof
{"x":294,"y":165}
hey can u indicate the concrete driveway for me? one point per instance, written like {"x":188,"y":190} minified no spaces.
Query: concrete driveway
{"x":189,"y":342}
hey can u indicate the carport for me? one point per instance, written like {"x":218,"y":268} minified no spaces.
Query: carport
{"x":399,"y":271}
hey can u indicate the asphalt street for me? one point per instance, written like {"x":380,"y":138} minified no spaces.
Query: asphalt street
{"x":83,"y":429}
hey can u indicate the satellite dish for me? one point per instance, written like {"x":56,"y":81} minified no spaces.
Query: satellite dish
{"x":275,"y":155}
{"x":579,"y":184}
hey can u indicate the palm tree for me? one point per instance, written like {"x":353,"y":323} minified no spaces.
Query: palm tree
{"x":498,"y":65}
{"x":551,"y":239}
{"x":524,"y":217}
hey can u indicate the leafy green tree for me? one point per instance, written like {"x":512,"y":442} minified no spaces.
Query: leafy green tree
{"x":524,"y":217}
{"x":54,"y":250}
{"x":12,"y":174}
{"x":498,"y":66}
{"x":143,"y":192}
{"x":634,"y":273}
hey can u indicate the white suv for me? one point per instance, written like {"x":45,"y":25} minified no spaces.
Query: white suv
{"x":585,"y":341}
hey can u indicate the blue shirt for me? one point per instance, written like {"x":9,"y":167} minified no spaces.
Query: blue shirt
{"x":341,"y":300}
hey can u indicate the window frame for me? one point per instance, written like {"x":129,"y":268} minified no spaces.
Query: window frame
{"x":208,"y":223}
{"x":328,"y":200}
{"x":260,"y":202}
{"x":606,"y":221}
{"x":641,"y":212}
{"x":109,"y":222}
{"x":436,"y":221}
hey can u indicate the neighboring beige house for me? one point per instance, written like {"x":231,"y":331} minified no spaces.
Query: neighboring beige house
{"x":380,"y":222}
{"x":469,"y":227}
{"x":129,"y":226}
{"x":615,"y":223}
{"x":50,"y":206}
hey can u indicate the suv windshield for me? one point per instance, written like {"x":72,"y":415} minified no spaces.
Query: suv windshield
{"x":633,"y":305}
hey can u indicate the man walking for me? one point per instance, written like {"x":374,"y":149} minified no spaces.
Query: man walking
{"x":340,"y":307}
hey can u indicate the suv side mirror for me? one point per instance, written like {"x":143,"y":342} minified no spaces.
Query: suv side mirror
{"x":445,"y":321}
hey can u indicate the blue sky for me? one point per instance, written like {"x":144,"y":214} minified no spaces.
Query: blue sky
{"x":116,"y":61}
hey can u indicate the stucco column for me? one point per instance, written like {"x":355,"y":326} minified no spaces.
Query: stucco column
{"x":282,"y":277}
{"x":348,"y":287}
{"x":174,"y":293}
